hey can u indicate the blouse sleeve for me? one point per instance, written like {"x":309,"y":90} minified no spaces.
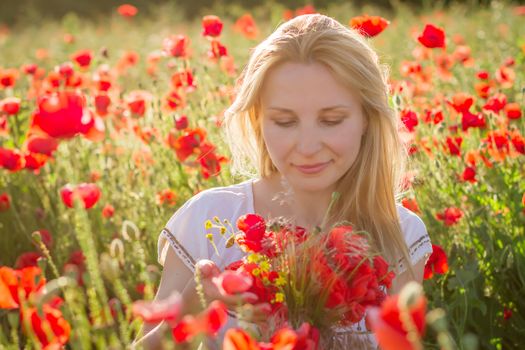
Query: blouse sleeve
{"x":416,"y":237}
{"x":185,"y":234}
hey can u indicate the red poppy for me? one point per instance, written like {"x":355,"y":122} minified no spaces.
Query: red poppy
{"x":432,"y":37}
{"x":409,"y":118}
{"x":253,"y":227}
{"x":62,"y":114}
{"x":41,"y":144}
{"x":390,"y":331}
{"x":507,"y":313}
{"x":496,"y":103}
{"x":238,"y":339}
{"x":470,"y":120}
{"x":518,"y":141}
{"x":8,"y":77}
{"x":128,"y":59}
{"x":183,"y":79}
{"x":96,"y":131}
{"x":305,"y":337}
{"x":217,"y":50}
{"x":176,"y":45}
{"x":469,"y":174}
{"x":211,"y":26}
{"x":102,"y":102}
{"x":8,"y":284}
{"x":411,"y":204}
{"x":461,"y":102}
{"x":137,"y":101}
{"x":5,"y":202}
{"x":11,"y":159}
{"x":505,"y":76}
{"x":82,"y":58}
{"x":187,"y":143}
{"x":168,"y":310}
{"x":10,"y":105}
{"x":482,"y":74}
{"x":483,"y":88}
{"x":209,"y":160}
{"x":89,"y":193}
{"x":76,"y":265}
{"x":174,"y":100}
{"x":513,"y":110}
{"x":102,"y":83}
{"x":450,"y":216}
{"x":369,"y":26}
{"x":209,"y":322}
{"x":519,"y":10}
{"x":65,"y":70}
{"x":246,"y":26}
{"x":454,"y":145}
{"x":19,"y":284}
{"x":29,"y":69}
{"x":34,"y":161}
{"x":48,"y":325}
{"x":108,"y":211}
{"x":462,"y":54}
{"x":167,"y":197}
{"x":305,"y":10}
{"x":436,"y":263}
{"x":27,"y":259}
{"x":127,"y":10}
{"x":497,"y":139}
{"x":181,"y":122}
{"x":232,"y":282}
{"x":383,"y":276}
{"x":509,"y":61}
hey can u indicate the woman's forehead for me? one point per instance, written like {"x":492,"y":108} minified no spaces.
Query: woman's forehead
{"x":298,"y":85}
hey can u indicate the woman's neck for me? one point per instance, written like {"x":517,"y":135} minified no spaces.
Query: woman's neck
{"x":274,"y":197}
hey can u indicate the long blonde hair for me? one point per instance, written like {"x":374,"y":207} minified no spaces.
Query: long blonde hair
{"x":369,"y":189}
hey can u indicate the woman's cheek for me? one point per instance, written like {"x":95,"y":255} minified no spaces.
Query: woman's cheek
{"x":278,"y":137}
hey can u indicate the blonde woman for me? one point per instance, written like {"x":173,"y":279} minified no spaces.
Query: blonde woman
{"x":311,"y":116}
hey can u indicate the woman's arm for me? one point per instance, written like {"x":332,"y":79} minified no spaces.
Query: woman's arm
{"x":175,"y":277}
{"x":405,"y":277}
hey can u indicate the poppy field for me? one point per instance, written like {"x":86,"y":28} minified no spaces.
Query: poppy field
{"x":107,"y":126}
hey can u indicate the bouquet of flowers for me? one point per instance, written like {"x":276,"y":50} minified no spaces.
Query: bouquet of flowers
{"x":323,"y":279}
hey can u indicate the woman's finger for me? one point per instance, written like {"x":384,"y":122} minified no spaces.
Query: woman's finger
{"x":207,"y":268}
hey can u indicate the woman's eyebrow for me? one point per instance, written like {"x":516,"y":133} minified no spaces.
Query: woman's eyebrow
{"x":321,"y":110}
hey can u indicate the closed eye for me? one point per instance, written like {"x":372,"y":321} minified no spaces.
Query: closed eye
{"x":284,"y":124}
{"x":333,"y":122}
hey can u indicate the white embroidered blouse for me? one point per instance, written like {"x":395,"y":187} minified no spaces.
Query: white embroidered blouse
{"x":185,"y":233}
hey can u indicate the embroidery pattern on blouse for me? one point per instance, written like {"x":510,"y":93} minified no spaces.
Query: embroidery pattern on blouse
{"x":414,"y":248}
{"x":179,"y":249}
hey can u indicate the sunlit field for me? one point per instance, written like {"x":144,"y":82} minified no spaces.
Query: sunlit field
{"x":124,"y":112}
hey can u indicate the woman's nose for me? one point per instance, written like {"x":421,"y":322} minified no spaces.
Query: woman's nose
{"x":308,"y":142}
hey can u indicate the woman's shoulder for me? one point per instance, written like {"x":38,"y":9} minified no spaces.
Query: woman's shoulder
{"x":218,"y":200}
{"x":415,"y":233}
{"x":185,"y":230}
{"x":231,"y":192}
{"x":410,"y":221}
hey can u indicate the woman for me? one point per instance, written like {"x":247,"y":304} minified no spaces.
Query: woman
{"x":311,"y":116}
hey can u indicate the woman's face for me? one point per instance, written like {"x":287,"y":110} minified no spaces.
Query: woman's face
{"x":309,"y":118}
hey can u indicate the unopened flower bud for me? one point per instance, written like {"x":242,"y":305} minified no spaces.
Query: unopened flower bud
{"x":109,"y":267}
{"x":410,"y":294}
{"x":230,"y":241}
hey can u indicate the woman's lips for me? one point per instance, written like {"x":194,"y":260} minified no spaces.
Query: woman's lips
{"x":312,"y":169}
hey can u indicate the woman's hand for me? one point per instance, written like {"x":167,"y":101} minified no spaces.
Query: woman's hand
{"x":256,"y":312}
